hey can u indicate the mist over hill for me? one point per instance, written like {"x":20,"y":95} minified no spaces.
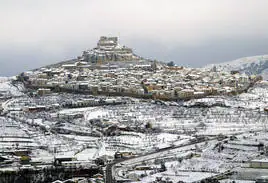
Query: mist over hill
{"x":255,"y":65}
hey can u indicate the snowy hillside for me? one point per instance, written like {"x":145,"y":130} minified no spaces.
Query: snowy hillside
{"x":7,"y":89}
{"x":250,"y":65}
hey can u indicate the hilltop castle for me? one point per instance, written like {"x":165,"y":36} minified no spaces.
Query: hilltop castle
{"x":108,"y":49}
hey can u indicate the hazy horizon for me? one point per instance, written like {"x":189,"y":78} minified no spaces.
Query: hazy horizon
{"x":190,"y":33}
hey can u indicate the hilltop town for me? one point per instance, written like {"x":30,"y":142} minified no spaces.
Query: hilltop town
{"x":112,"y":116}
{"x":112,"y":69}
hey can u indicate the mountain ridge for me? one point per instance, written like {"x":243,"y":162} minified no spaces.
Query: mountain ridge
{"x":253,"y":65}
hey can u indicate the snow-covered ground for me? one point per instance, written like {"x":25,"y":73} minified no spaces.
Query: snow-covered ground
{"x":139,"y":127}
{"x":178,"y":176}
{"x":256,"y":65}
{"x":207,"y":159}
{"x":7,"y":89}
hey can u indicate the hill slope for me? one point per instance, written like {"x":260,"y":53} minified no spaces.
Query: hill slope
{"x":257,"y":65}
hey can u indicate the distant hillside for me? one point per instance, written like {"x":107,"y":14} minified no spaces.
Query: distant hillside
{"x":257,"y":65}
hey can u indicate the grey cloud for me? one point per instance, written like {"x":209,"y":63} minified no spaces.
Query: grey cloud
{"x":35,"y":33}
{"x":211,"y":51}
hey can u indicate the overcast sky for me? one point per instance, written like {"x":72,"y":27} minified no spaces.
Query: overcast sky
{"x":189,"y":32}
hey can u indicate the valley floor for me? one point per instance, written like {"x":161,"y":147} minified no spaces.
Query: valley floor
{"x":207,"y":137}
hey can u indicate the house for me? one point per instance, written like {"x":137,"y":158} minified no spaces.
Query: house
{"x":39,"y":81}
{"x":262,"y":163}
{"x":262,"y":179}
{"x":43,"y":91}
{"x":199,"y":94}
{"x":69,"y":66}
{"x":186,"y":93}
{"x":37,"y":108}
{"x":123,"y":154}
{"x":58,"y":160}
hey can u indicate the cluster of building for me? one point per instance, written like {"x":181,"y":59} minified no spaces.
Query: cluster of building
{"x":113,"y":69}
{"x":143,"y":81}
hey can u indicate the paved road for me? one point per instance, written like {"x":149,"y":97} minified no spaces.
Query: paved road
{"x":152,"y":155}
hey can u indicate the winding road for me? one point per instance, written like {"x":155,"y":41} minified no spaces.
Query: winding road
{"x":110,"y":174}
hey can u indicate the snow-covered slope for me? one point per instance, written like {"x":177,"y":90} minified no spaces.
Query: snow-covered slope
{"x":7,"y":89}
{"x":257,"y":65}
